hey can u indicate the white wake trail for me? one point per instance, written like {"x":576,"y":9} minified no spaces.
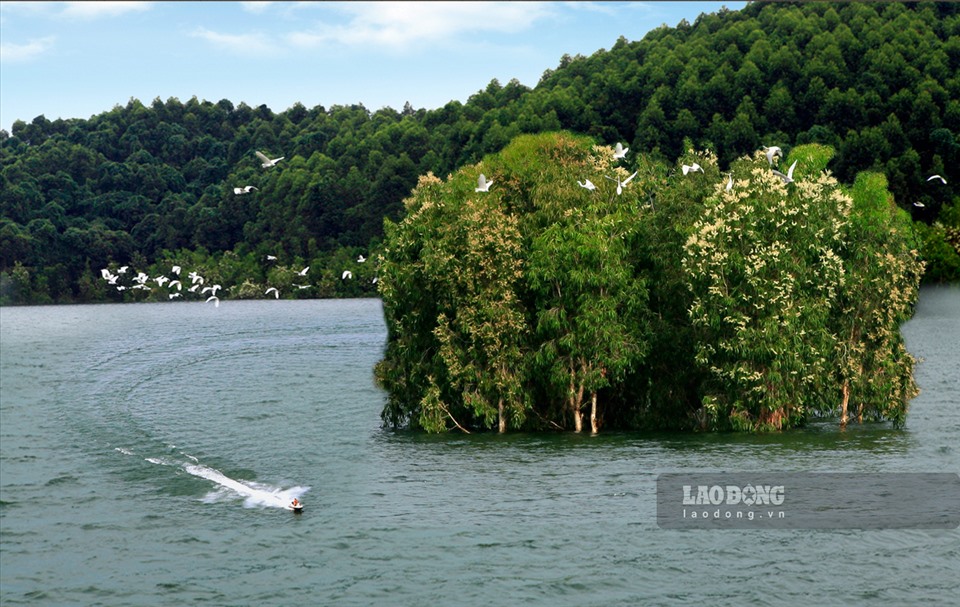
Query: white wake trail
{"x":255,"y":494}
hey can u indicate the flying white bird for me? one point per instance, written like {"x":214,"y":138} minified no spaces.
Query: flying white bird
{"x":175,"y":282}
{"x":687,"y":168}
{"x":361,"y":259}
{"x":215,"y":300}
{"x":276,"y":294}
{"x":271,"y":257}
{"x":245,"y":189}
{"x":175,"y":270}
{"x":172,"y":295}
{"x":161,"y":279}
{"x":771,"y":152}
{"x":301,"y":287}
{"x":266,"y":162}
{"x":586,"y":183}
{"x":619,"y":151}
{"x":213,"y":289}
{"x":932,"y":177}
{"x":303,"y":272}
{"x":919,"y":205}
{"x":482,"y":184}
{"x":620,"y":184}
{"x":195,"y":278}
{"x":122,"y":270}
{"x":194,"y":288}
{"x":788,"y":178}
{"x":346,"y":274}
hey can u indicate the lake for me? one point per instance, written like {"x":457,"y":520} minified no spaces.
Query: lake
{"x":147,"y":452}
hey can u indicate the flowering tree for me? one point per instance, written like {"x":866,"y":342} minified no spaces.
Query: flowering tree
{"x":775,"y":267}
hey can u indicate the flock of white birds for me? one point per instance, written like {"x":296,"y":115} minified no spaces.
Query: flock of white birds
{"x":772,"y":152}
{"x":141,"y":280}
{"x":175,"y":287}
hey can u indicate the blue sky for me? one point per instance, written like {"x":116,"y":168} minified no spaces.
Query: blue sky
{"x":77,"y":59}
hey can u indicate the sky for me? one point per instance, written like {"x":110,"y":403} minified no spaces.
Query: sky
{"x":79,"y":59}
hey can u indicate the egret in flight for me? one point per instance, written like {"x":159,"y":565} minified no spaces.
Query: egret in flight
{"x":276,"y":294}
{"x":346,"y":274}
{"x":245,"y":189}
{"x":267,"y":162}
{"x":932,"y":177}
{"x":620,"y":184}
{"x":788,"y":178}
{"x":619,"y":151}
{"x":304,"y":271}
{"x":586,"y":183}
{"x":215,"y":300}
{"x":361,"y":259}
{"x":691,"y":168}
{"x":771,"y":152}
{"x":482,"y":184}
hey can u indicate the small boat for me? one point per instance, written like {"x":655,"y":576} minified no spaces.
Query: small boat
{"x":296,"y":505}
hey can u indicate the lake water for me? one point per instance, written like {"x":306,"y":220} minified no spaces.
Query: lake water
{"x":147,"y":451}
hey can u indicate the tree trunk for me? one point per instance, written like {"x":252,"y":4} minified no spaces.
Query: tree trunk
{"x":594,"y":424}
{"x":577,"y":417}
{"x":503,"y":419}
{"x":843,"y":405}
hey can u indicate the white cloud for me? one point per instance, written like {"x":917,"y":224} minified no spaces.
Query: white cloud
{"x":399,"y":25}
{"x":255,"y":7}
{"x":93,"y":10}
{"x":11,"y":52}
{"x":244,"y":44}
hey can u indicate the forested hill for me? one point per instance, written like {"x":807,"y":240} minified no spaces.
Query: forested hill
{"x":153,"y":185}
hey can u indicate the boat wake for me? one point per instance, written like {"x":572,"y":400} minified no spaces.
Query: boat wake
{"x":255,"y":494}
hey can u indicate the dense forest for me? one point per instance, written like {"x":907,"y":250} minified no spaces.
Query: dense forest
{"x":152,"y":186}
{"x":660,"y":295}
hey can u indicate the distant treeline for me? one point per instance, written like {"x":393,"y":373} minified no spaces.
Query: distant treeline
{"x":151,"y":185}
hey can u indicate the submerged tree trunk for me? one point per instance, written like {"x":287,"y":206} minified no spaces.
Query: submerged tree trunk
{"x":843,"y":405}
{"x":503,"y":419}
{"x":577,"y":415}
{"x":594,"y":423}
